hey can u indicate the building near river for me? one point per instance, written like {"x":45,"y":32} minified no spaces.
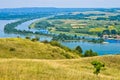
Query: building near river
{"x":118,"y":37}
{"x":111,"y":37}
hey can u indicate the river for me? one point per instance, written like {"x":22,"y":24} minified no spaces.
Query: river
{"x":102,"y":49}
{"x":113,"y":47}
{"x":2,"y":24}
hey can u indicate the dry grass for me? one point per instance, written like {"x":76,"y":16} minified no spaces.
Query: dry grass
{"x":23,"y":48}
{"x":22,"y":59}
{"x":66,"y":69}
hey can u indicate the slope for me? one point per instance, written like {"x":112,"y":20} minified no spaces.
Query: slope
{"x":24,"y":48}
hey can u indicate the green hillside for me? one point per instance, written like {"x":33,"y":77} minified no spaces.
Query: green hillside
{"x":24,"y":48}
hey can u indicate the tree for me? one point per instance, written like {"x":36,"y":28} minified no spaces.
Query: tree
{"x":89,"y":53}
{"x":106,"y":32}
{"x":113,"y":31}
{"x":97,"y":65}
{"x":79,"y":49}
{"x":99,"y":34}
{"x":86,"y":54}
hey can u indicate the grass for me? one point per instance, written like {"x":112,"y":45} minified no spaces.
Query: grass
{"x":72,"y":33}
{"x":23,"y":59}
{"x":65,"y":69}
{"x":24,"y":48}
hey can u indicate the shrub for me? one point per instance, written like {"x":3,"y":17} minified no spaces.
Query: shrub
{"x":55,"y":43}
{"x":97,"y":65}
{"x":79,"y":50}
{"x":89,"y":53}
{"x":35,"y":39}
{"x":67,"y":56}
{"x":12,"y":49}
{"x":27,"y":37}
{"x":45,"y":41}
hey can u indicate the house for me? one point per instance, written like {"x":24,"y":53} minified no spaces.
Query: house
{"x":117,"y":36}
{"x":105,"y":36}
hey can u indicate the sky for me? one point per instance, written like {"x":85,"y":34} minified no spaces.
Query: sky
{"x":60,"y":3}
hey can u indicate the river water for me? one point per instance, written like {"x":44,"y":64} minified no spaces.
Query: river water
{"x":102,"y":49}
{"x":2,"y":24}
{"x":113,"y":47}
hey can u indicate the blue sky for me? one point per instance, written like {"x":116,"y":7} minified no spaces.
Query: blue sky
{"x":60,"y":3}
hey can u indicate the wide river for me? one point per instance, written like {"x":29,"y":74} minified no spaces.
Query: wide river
{"x":113,"y":47}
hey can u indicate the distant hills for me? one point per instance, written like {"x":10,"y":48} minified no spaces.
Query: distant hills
{"x":29,"y":9}
{"x":38,"y":12}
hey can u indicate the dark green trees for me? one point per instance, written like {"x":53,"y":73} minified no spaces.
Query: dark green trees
{"x":79,"y":50}
{"x":90,"y":53}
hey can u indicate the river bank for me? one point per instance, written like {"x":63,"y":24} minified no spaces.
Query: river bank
{"x":111,"y":48}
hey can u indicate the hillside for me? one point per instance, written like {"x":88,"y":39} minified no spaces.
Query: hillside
{"x":23,"y":59}
{"x":24,"y":48}
{"x":72,"y":69}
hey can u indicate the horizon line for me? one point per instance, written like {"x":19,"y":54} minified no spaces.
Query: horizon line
{"x":62,"y":7}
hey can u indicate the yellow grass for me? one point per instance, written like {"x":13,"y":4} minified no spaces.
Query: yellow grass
{"x":31,"y":61}
{"x":66,"y":69}
{"x":23,"y":48}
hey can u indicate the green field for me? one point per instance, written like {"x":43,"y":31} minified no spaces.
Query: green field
{"x":78,"y":27}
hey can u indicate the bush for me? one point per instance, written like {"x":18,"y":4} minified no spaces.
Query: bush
{"x":67,"y":56}
{"x":90,"y":53}
{"x":45,"y":41}
{"x":55,"y":43}
{"x":27,"y":37}
{"x":79,"y":50}
{"x":35,"y":39}
{"x":97,"y":65}
{"x":12,"y":49}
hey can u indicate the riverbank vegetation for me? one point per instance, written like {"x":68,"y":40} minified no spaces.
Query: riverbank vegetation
{"x":73,"y":24}
{"x":83,"y":23}
{"x":11,"y":27}
{"x":67,"y":38}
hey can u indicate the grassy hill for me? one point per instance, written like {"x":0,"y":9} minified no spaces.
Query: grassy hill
{"x":22,"y":59}
{"x":24,"y":48}
{"x":72,"y":69}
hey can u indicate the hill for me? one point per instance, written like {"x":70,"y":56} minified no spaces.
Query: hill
{"x":72,"y":69}
{"x":23,"y":59}
{"x":24,"y":48}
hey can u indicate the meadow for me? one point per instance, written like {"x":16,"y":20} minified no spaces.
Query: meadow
{"x":23,"y":59}
{"x":64,"y":69}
